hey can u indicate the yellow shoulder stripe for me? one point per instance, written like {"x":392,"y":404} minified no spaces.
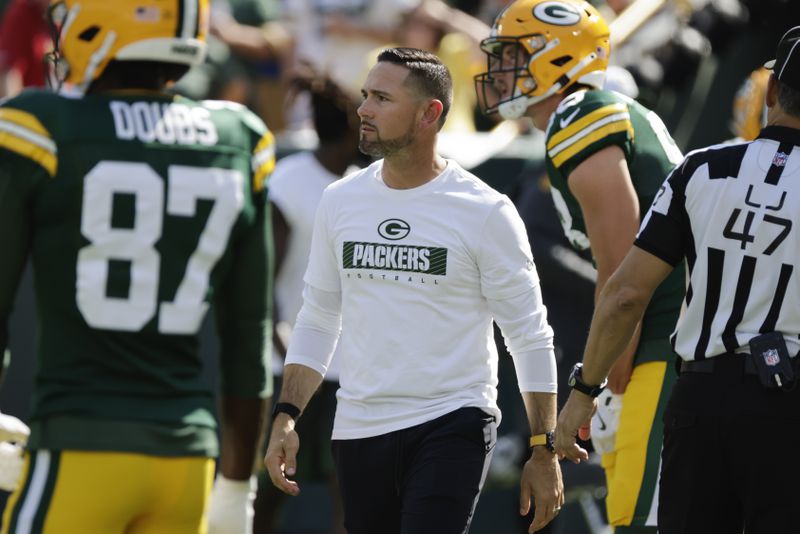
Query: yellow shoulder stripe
{"x":21,"y":132}
{"x":261,"y":175}
{"x":24,"y":119}
{"x":583,"y":122}
{"x":32,"y":151}
{"x":263,"y":161}
{"x":600,"y":133}
{"x":267,"y":140}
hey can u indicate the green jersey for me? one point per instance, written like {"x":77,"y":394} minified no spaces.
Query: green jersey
{"x":139,"y":211}
{"x":586,"y":122}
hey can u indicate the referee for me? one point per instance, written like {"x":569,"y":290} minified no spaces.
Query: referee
{"x":732,"y":426}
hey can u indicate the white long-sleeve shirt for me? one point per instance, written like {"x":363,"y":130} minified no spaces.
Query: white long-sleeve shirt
{"x":416,"y":276}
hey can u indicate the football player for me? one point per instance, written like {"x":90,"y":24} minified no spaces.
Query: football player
{"x":139,"y":210}
{"x":606,"y":158}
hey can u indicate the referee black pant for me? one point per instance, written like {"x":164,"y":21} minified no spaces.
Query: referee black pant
{"x":731,"y":461}
{"x":425,"y":479}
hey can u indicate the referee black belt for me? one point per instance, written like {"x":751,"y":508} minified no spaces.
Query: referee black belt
{"x":728,"y":362}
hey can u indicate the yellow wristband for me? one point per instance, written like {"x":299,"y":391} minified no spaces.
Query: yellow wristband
{"x":545,"y":440}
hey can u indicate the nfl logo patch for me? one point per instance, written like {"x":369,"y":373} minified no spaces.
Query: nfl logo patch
{"x":780,"y":158}
{"x":771,"y":357}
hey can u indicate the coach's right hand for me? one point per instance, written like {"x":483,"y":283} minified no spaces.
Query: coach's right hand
{"x":281,"y":457}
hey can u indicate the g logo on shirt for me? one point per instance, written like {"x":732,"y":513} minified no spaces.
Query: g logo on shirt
{"x":394,"y":229}
{"x":557,"y":13}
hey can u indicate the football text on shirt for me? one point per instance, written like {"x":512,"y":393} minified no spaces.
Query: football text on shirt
{"x":165,"y":123}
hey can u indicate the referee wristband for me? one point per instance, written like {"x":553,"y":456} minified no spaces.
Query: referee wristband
{"x":288,"y":408}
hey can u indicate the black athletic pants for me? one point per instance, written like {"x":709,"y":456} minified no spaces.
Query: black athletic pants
{"x":731,"y":458}
{"x":420,"y":480}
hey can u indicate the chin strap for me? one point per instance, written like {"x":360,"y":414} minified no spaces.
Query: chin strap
{"x":517,"y":107}
{"x":514,"y":109}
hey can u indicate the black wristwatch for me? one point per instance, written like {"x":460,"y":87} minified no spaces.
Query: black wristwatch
{"x":286,"y":407}
{"x":576,"y":382}
{"x":546,"y":440}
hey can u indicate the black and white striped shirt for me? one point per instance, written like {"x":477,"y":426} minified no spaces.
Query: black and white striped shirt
{"x":733,"y":211}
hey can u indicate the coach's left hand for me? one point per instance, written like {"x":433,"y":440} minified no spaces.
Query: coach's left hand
{"x":541,"y":480}
{"x":281,"y":457}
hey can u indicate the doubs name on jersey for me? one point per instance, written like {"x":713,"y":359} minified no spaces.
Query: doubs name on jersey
{"x":165,"y":123}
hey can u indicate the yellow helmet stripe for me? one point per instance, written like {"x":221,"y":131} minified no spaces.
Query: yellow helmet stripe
{"x":618,"y":126}
{"x":188,"y":15}
{"x":583,"y":122}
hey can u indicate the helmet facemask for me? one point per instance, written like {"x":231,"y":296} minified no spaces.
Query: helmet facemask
{"x":539,"y":48}
{"x":510,"y":80}
{"x":55,"y":65}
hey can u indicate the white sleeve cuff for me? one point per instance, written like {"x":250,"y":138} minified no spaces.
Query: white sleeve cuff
{"x":529,"y":339}
{"x":536,"y":371}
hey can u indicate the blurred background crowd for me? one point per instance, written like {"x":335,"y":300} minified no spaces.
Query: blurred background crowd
{"x":685,"y":59}
{"x":299,"y":64}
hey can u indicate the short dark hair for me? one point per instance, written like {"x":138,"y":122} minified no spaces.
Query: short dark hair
{"x":427,"y":74}
{"x":333,"y":110}
{"x":136,"y":74}
{"x":789,"y":99}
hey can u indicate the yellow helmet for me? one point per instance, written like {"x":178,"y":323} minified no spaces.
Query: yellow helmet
{"x":547,"y":46}
{"x":91,"y":33}
{"x":749,"y":105}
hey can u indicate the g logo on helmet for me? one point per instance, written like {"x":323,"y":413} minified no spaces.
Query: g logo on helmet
{"x":394,"y":229}
{"x":557,"y":13}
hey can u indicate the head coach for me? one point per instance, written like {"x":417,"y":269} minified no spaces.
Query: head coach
{"x":732,"y":424}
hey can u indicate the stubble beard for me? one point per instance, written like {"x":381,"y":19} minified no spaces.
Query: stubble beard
{"x":382,"y":148}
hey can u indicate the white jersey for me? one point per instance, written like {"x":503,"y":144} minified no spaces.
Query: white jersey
{"x":418,"y":271}
{"x":296,"y":187}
